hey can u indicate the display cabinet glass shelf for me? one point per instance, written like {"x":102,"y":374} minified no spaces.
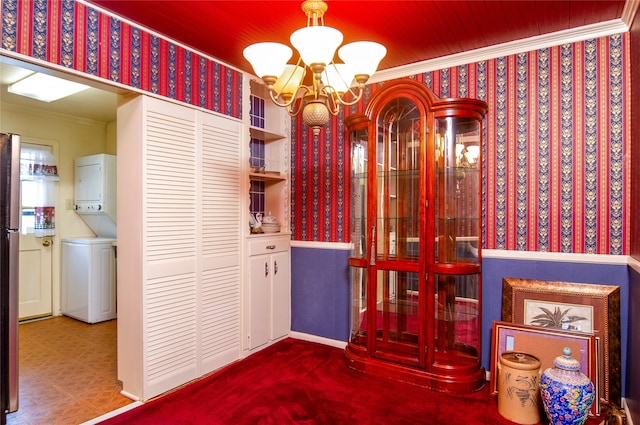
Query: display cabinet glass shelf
{"x":416,"y":176}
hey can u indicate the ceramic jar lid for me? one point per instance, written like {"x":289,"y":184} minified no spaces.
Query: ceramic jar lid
{"x":566,"y":362}
{"x":521,"y":361}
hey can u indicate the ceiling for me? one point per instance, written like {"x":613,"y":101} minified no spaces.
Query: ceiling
{"x":412,"y":31}
{"x":94,"y":103}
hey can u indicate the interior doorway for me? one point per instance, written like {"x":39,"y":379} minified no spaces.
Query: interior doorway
{"x":82,"y":124}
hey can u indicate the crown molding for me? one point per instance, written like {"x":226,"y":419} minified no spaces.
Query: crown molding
{"x":573,"y":35}
{"x":156,"y":34}
{"x":629,"y":12}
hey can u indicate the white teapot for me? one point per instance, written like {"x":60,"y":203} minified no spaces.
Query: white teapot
{"x":270,"y":219}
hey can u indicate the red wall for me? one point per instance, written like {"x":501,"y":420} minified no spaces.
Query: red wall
{"x":556,"y":151}
{"x":634,"y":151}
{"x":78,"y":37}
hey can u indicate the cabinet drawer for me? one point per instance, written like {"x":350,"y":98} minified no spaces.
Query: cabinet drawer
{"x":268,"y":246}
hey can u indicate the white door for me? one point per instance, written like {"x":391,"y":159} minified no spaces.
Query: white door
{"x":35,"y":278}
{"x":281,"y":295}
{"x":260,"y":275}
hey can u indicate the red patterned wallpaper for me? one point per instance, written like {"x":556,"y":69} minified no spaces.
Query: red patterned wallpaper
{"x":76,"y":36}
{"x":558,"y":139}
{"x":634,"y":154}
{"x":557,"y":146}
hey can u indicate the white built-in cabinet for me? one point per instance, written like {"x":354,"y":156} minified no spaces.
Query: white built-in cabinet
{"x":267,"y":286}
{"x":270,"y":276}
{"x":180,"y":244}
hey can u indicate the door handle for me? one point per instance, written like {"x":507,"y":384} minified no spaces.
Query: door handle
{"x":372,"y":255}
{"x":46,"y":241}
{"x":275,"y":268}
{"x":266,"y":269}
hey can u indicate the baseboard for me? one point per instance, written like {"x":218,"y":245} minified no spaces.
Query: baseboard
{"x":626,"y":411}
{"x":113,"y":413}
{"x":129,"y":395}
{"x":319,"y":339}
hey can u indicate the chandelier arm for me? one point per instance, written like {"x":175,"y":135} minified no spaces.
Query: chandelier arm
{"x":333,"y":104}
{"x":354,"y":101}
{"x":292,"y":110}
{"x":274,"y":96}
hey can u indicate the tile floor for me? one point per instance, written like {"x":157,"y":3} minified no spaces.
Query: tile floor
{"x":67,"y":372}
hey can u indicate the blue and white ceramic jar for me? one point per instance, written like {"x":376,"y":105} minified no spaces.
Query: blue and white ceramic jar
{"x":567,"y":393}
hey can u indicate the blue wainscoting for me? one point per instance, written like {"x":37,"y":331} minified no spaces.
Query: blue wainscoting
{"x":320,"y":296}
{"x":597,"y":269}
{"x":320,"y":292}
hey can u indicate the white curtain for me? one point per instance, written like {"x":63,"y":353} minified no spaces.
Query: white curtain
{"x":38,"y":166}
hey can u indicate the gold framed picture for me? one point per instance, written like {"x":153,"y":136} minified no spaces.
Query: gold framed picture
{"x":577,"y":307}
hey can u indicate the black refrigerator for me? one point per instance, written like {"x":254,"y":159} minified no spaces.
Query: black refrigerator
{"x":9,"y":239}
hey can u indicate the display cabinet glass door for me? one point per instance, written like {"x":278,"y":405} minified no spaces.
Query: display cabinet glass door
{"x":359,"y":226}
{"x":458,"y":226}
{"x":395,"y":235}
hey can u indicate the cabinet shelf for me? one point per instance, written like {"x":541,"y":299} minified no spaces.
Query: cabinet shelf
{"x":268,"y":176}
{"x":267,"y":297}
{"x":265,"y":134}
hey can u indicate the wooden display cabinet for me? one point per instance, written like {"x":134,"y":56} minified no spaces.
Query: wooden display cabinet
{"x":416,"y":224}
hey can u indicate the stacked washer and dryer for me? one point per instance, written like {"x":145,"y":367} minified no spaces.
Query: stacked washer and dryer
{"x":89,"y":264}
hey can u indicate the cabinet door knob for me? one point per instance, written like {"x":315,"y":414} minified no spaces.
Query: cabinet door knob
{"x":266,"y":269}
{"x":372,"y":254}
{"x":271,"y":247}
{"x":275,"y":268}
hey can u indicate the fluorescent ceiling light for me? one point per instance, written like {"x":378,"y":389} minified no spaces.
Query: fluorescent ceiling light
{"x":45,"y":87}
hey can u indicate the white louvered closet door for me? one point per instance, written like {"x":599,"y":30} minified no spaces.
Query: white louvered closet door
{"x":179,"y":245}
{"x":170,"y":229}
{"x":220,"y":293}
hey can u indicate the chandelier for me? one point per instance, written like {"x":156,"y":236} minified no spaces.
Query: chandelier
{"x":316,"y":45}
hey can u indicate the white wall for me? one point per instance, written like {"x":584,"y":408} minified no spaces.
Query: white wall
{"x":70,"y":137}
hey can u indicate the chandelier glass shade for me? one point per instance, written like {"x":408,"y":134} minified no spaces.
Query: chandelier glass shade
{"x":316,"y":45}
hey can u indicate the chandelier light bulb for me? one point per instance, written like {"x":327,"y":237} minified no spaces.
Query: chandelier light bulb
{"x":316,"y":44}
{"x":289,"y":81}
{"x":362,"y":56}
{"x":268,"y":59}
{"x":337,"y":77}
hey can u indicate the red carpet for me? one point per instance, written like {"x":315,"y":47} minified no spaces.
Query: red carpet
{"x":299,"y":382}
